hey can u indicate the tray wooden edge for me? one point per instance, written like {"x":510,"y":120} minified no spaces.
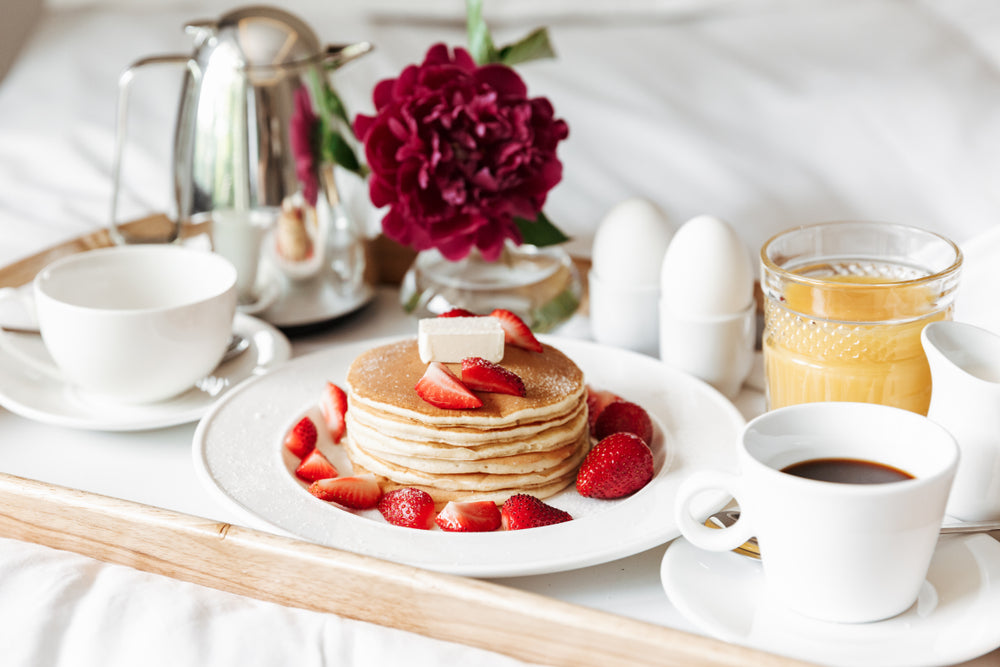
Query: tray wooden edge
{"x":304,"y":575}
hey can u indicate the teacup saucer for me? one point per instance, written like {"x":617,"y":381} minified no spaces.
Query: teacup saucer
{"x":954,"y":619}
{"x":48,"y":400}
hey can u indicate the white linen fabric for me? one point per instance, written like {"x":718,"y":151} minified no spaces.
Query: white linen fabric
{"x":766,"y":113}
{"x":61,"y":609}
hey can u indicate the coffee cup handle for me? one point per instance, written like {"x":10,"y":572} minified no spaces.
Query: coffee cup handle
{"x":8,"y":345}
{"x":698,"y":534}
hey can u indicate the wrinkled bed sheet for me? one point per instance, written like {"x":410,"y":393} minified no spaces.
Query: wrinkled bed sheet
{"x":768,"y":114}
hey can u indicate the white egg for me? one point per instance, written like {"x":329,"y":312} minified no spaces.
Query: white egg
{"x":707,"y":270}
{"x":630,"y":243}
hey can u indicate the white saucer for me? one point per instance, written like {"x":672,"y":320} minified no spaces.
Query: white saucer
{"x":44,"y":399}
{"x":953,"y":620}
{"x":267,"y":291}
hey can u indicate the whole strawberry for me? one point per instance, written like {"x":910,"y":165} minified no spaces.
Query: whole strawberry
{"x":408,"y":507}
{"x":617,"y":466}
{"x":597,"y":400}
{"x":624,"y":416}
{"x":526,"y":511}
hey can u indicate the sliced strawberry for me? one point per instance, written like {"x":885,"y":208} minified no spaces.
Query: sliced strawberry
{"x":458,"y":312}
{"x":597,"y":400}
{"x":515,"y":331}
{"x":473,"y":516}
{"x":315,"y":466}
{"x":408,"y":507}
{"x":360,"y":492}
{"x":525,"y":511}
{"x":624,"y":416}
{"x":439,"y":387}
{"x":333,"y":405}
{"x":302,"y":438}
{"x":618,"y":465}
{"x":480,"y":374}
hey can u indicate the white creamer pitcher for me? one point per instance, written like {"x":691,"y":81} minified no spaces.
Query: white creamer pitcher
{"x":965,"y":399}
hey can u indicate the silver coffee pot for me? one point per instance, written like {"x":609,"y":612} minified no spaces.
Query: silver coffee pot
{"x":254,"y":103}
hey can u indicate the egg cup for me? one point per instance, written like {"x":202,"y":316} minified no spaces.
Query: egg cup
{"x":717,"y":349}
{"x":624,"y":316}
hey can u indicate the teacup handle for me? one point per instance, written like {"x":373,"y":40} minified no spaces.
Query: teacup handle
{"x":11,"y":348}
{"x":698,"y":534}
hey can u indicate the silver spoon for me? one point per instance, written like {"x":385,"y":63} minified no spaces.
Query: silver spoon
{"x":726,"y":518}
{"x":238,"y":344}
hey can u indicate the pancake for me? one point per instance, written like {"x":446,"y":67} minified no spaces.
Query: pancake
{"x":512,"y":444}
{"x":414,"y":430}
{"x":502,"y":474}
{"x":383,"y":379}
{"x":442,"y":496}
{"x":507,"y":442}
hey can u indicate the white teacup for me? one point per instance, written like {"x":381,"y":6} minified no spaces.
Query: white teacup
{"x":835,"y":551}
{"x":133,"y":324}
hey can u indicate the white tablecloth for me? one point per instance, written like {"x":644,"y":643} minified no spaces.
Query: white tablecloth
{"x":769,"y":114}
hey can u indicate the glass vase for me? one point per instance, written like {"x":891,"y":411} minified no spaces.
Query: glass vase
{"x":540,"y":285}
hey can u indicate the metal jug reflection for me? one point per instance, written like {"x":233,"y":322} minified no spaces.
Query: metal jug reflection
{"x":246,"y":158}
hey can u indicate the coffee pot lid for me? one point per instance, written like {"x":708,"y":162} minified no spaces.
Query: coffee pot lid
{"x":260,"y":36}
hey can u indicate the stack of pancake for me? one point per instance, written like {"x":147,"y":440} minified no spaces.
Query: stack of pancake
{"x":512,"y":444}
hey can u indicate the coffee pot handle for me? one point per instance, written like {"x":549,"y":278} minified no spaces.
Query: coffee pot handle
{"x":120,"y":235}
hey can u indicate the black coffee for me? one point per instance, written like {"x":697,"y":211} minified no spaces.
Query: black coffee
{"x":847,"y":471}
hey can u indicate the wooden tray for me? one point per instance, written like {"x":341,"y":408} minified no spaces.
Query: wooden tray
{"x":289,"y":571}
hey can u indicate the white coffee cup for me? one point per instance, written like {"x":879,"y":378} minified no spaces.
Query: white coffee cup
{"x":834,"y":551}
{"x":133,"y":324}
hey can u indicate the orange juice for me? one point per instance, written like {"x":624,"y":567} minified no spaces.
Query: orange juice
{"x":861,"y":343}
{"x":845,"y":327}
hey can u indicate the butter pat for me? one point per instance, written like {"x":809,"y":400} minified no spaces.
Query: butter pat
{"x":451,"y":339}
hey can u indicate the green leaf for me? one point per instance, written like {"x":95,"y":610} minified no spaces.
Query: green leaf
{"x":481,"y":46}
{"x":540,"y":231}
{"x":550,"y":315}
{"x":335,"y":106}
{"x":336,"y":149}
{"x":535,"y":46}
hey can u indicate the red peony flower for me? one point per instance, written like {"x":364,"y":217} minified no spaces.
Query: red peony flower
{"x":457,"y":152}
{"x":302,"y":137}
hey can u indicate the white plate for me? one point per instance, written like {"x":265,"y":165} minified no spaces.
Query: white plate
{"x":239,"y":455}
{"x":953,"y":620}
{"x":41,"y":398}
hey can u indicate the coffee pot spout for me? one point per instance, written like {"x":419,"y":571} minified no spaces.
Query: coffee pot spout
{"x":201,"y":30}
{"x":337,"y":55}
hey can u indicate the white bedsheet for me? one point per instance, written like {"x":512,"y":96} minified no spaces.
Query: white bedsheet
{"x":766,"y":113}
{"x":769,"y":114}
